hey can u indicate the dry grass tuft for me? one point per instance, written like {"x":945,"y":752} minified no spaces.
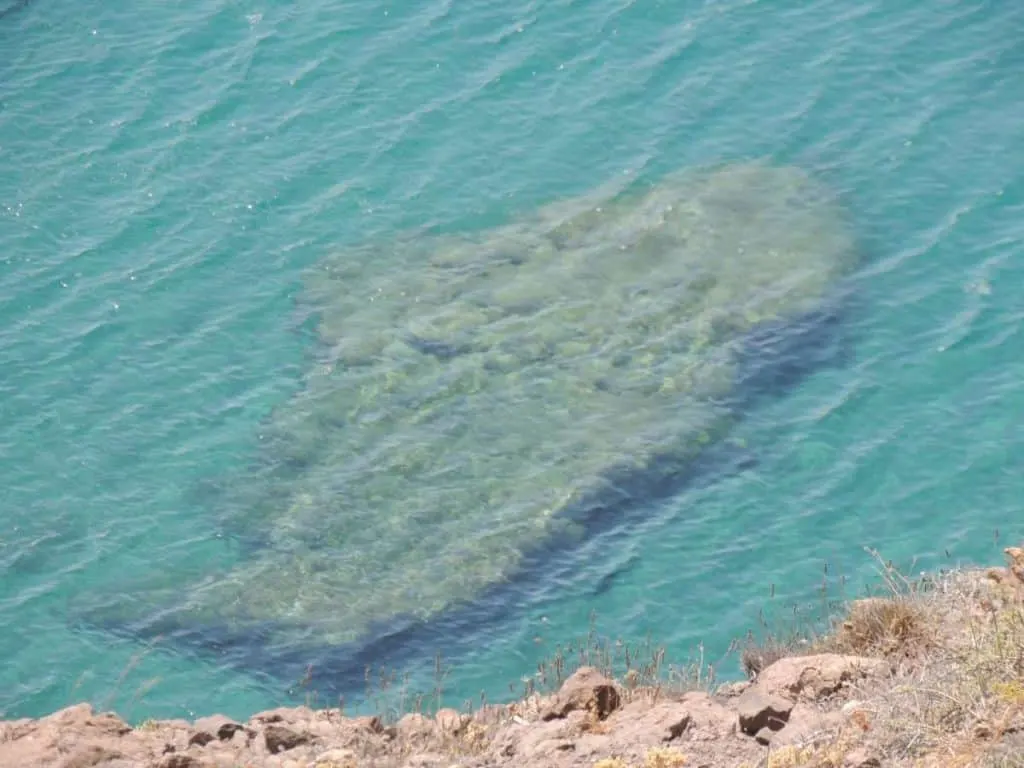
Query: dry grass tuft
{"x":968,"y":693}
{"x":656,"y":757}
{"x":640,"y":668}
{"x":888,"y":627}
{"x":756,"y":656}
{"x":790,"y":757}
{"x":664,"y":757}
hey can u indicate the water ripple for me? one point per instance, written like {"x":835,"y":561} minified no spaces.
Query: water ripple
{"x":171,"y":172}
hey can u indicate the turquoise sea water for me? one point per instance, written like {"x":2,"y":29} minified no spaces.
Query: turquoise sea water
{"x":169,"y":172}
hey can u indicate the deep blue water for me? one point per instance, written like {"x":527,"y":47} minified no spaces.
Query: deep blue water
{"x":170,"y":172}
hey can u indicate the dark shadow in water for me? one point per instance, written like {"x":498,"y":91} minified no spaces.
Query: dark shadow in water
{"x":777,"y":359}
{"x":13,"y":8}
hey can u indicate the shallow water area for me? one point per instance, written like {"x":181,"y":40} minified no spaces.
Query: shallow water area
{"x":172,"y":175}
{"x":495,"y":393}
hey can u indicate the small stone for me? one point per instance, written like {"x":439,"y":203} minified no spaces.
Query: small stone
{"x":179,"y":761}
{"x":764,"y":736}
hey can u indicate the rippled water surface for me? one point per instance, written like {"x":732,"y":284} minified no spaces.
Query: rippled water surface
{"x":176,"y":178}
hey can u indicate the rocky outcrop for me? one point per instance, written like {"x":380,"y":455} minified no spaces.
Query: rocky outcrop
{"x":823,"y":709}
{"x":811,"y":678}
{"x":759,"y":710}
{"x":586,"y":690}
{"x":588,"y":719}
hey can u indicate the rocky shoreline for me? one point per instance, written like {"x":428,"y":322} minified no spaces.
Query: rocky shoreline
{"x":930,"y":675}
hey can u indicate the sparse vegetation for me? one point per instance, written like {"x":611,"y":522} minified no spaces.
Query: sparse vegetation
{"x":956,"y":695}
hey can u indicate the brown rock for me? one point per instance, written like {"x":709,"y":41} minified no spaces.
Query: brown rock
{"x":89,"y":756}
{"x":815,"y":677}
{"x":278,"y":738}
{"x":711,"y":720}
{"x":179,"y":761}
{"x":732,"y":690}
{"x":201,"y":739}
{"x":546,"y":751}
{"x":697,"y":715}
{"x":661,"y":723}
{"x":524,"y":740}
{"x":543,"y":743}
{"x":76,"y":713}
{"x":758,"y":709}
{"x":214,"y":728}
{"x":804,"y":723}
{"x":588,"y":690}
{"x":370,"y":723}
{"x":108,"y":724}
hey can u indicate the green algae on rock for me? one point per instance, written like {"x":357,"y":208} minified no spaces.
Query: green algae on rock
{"x":496,"y":388}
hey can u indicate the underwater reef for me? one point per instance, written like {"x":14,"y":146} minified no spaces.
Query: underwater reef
{"x":492,"y":392}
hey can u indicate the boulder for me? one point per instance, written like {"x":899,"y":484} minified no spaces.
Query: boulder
{"x":810,"y":678}
{"x":661,"y":723}
{"x":522,"y":740}
{"x":91,"y":755}
{"x":804,"y":723}
{"x":587,"y":690}
{"x":278,"y":738}
{"x":759,"y":709}
{"x":697,"y":715}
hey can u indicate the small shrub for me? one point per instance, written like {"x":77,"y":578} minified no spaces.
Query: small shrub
{"x":878,"y":626}
{"x":790,"y":757}
{"x":1011,"y":692}
{"x":664,"y":757}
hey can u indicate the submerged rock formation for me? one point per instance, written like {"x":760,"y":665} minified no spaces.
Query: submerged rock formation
{"x":478,"y":396}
